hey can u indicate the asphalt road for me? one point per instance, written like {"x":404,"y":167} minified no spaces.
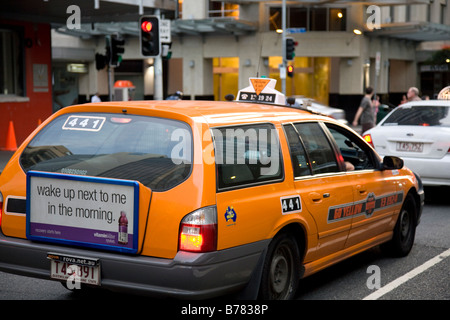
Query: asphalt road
{"x":352,"y":279}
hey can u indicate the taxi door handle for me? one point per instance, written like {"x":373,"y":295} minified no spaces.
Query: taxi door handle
{"x":361,"y":189}
{"x":317,"y":197}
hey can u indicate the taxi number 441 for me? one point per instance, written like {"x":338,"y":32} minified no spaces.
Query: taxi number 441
{"x":86,"y":123}
{"x":75,"y":273}
{"x":291,"y":204}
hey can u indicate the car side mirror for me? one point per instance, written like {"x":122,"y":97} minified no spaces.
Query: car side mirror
{"x":392,"y":163}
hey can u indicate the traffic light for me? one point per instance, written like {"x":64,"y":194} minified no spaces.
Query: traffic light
{"x":149,"y":36}
{"x":290,"y":71}
{"x":290,"y":48}
{"x":115,"y":50}
{"x":100,"y":61}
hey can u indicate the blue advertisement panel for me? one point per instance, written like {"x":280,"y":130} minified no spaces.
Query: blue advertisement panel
{"x":87,"y":211}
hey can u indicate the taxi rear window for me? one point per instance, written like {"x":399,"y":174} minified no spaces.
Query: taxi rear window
{"x":154,"y":151}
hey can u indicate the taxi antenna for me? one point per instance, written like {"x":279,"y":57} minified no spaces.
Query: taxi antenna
{"x":259,"y":60}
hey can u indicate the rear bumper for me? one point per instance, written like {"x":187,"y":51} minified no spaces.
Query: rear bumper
{"x":188,"y":275}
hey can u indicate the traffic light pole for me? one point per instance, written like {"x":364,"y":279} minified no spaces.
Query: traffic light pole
{"x":158,"y":80}
{"x":158,"y":77}
{"x":283,"y":46}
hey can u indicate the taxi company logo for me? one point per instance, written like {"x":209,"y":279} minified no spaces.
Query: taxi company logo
{"x":367,"y":207}
{"x":370,"y":204}
{"x":230,"y":215}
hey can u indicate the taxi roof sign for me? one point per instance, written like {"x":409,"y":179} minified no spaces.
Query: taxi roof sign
{"x":444,"y":94}
{"x":259,"y":84}
{"x":261,"y":90}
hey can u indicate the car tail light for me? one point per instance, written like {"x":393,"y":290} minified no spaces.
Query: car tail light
{"x":368,"y":139}
{"x":198,"y":231}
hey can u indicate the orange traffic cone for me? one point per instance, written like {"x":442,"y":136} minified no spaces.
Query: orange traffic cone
{"x":11,"y":144}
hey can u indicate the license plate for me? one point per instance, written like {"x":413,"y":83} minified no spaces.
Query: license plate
{"x":410,"y":146}
{"x":74,"y":270}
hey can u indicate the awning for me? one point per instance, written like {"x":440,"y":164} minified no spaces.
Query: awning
{"x":227,"y":26}
{"x":414,"y":31}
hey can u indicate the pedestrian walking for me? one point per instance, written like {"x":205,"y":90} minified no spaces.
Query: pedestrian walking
{"x":365,"y":112}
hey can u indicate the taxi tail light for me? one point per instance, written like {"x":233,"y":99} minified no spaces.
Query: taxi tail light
{"x":198,"y":231}
{"x":368,"y":139}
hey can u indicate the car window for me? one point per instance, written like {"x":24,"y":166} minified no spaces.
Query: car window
{"x":246,"y":155}
{"x":299,"y":158}
{"x":419,"y":116}
{"x":357,"y":156}
{"x":154,"y":151}
{"x":320,"y":152}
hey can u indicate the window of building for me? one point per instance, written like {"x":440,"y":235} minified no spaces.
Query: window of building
{"x":310,"y":18}
{"x":223,"y":9}
{"x":11,"y":61}
{"x":298,"y":18}
{"x":337,"y":20}
{"x":318,"y":19}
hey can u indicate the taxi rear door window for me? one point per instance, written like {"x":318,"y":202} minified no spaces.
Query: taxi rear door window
{"x":247,"y":155}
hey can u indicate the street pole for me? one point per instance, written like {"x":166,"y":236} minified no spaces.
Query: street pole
{"x":158,"y":80}
{"x":110,"y":83}
{"x":110,"y":72}
{"x":283,"y":46}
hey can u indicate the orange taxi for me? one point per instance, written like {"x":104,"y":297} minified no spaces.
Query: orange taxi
{"x":195,"y":199}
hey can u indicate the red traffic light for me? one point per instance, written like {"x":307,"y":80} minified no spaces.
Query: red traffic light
{"x":290,"y":71}
{"x":146,"y":26}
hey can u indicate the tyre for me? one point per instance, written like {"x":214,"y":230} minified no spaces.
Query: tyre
{"x":281,"y":270}
{"x":404,"y":230}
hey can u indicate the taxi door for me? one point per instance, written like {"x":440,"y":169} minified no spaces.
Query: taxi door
{"x":326,"y":192}
{"x":250,"y":182}
{"x":377,"y":201}
{"x":374,"y":191}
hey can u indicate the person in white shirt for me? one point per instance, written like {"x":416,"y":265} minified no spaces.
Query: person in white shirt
{"x":96,"y":98}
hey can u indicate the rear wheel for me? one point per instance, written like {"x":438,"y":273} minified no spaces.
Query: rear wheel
{"x":281,"y":270}
{"x":405,"y":229}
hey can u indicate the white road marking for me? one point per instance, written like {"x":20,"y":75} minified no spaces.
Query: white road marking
{"x":399,"y":281}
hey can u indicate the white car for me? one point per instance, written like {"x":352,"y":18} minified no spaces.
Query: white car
{"x":419,"y":133}
{"x":315,"y":106}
